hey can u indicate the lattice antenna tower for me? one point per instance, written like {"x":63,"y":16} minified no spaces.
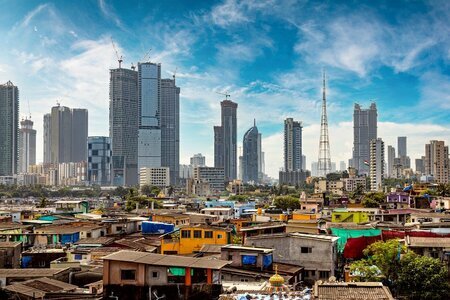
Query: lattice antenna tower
{"x":324,"y":165}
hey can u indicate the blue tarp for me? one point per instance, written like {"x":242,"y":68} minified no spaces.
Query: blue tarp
{"x":267,"y":260}
{"x":69,"y":238}
{"x":248,"y":259}
{"x":156,"y":227}
{"x":26,"y":260}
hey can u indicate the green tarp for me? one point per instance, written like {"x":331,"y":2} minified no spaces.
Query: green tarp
{"x":179,"y":271}
{"x":344,"y":234}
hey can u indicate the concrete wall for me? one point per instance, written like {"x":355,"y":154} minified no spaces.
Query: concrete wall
{"x":288,"y":250}
{"x":161,"y":272}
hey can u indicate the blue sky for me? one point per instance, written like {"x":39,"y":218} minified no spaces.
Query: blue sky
{"x":267,"y":54}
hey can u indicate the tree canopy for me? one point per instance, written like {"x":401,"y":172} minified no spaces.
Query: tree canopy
{"x":287,"y":202}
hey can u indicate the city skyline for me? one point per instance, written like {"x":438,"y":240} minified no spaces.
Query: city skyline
{"x":71,"y":60}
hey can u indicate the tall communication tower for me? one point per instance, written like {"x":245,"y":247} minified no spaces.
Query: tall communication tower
{"x":324,"y":165}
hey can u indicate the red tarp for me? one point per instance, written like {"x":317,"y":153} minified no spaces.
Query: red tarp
{"x":355,"y":246}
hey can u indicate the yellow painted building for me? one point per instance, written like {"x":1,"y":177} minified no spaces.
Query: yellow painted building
{"x":172,"y":218}
{"x":341,"y":216}
{"x":190,"y":239}
{"x":303,"y":216}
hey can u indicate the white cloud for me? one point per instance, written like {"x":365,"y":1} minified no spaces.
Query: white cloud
{"x":228,"y":13}
{"x":27,"y":19}
{"x":109,"y":13}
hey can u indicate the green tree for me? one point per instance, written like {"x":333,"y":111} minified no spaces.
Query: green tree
{"x":373,"y":199}
{"x":386,"y":256}
{"x":146,"y":190}
{"x":443,"y":189}
{"x":239,"y":198}
{"x":363,"y":270}
{"x":422,"y":277}
{"x":43,"y":202}
{"x":287,"y":202}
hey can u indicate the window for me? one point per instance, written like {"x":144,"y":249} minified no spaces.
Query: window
{"x":219,"y":236}
{"x":197,"y":234}
{"x":128,"y":274}
{"x":230,"y":257}
{"x":185,"y":234}
{"x":324,"y":274}
{"x":78,"y":257}
{"x":89,"y":235}
{"x":306,"y":249}
{"x":155,"y":274}
{"x":313,"y":273}
{"x":119,"y":228}
{"x":208,"y":234}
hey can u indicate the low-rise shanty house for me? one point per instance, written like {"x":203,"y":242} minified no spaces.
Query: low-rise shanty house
{"x":436,"y":247}
{"x":138,"y":244}
{"x":269,"y":228}
{"x":10,"y":255}
{"x":397,"y":200}
{"x":95,"y":242}
{"x":224,"y":213}
{"x":305,"y":222}
{"x":441,"y":203}
{"x":121,"y":226}
{"x":72,"y":206}
{"x":68,"y":233}
{"x":418,"y":218}
{"x":133,"y":275}
{"x":38,"y":288}
{"x":14,"y":215}
{"x":202,"y":219}
{"x":9,"y":276}
{"x":41,"y":257}
{"x":316,"y":253}
{"x":190,"y":239}
{"x":397,"y":216}
{"x":351,"y":290}
{"x":252,"y":264}
{"x":177,"y":219}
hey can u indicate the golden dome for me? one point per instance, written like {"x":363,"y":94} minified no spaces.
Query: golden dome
{"x":276,"y":280}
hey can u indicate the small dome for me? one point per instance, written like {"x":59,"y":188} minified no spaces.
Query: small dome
{"x":276,"y":280}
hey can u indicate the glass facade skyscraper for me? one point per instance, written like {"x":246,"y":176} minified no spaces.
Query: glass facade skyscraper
{"x":27,"y":145}
{"x":9,"y":128}
{"x":99,"y":160}
{"x":251,"y":155}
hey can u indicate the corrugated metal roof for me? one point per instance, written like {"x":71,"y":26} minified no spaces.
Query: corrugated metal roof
{"x":166,"y":260}
{"x":428,"y":242}
{"x":351,"y":291}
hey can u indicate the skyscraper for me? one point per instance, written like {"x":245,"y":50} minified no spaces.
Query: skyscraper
{"x":9,"y":128}
{"x":99,"y":160}
{"x":437,"y":161}
{"x":364,"y":130}
{"x":123,"y":125}
{"x":324,"y":142}
{"x":251,"y":155}
{"x":27,"y":145}
{"x":292,"y":145}
{"x":376,"y":164}
{"x":342,"y":166}
{"x":390,"y":161}
{"x":420,"y":165}
{"x":149,"y":112}
{"x":401,"y":146}
{"x":47,"y":135}
{"x":65,"y":135}
{"x":79,"y":134}
{"x":170,"y":128}
{"x":198,"y":160}
{"x":225,"y":140}
{"x":304,"y":162}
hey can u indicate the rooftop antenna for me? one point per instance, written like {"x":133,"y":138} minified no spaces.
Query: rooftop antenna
{"x":225,"y":94}
{"x":29,"y":110}
{"x":174,"y":74}
{"x":119,"y":57}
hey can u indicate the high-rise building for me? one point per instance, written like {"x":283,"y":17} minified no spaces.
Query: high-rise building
{"x":9,"y":128}
{"x":47,"y":137}
{"x":65,"y":135}
{"x":214,"y":176}
{"x":292,"y":145}
{"x":342,"y":166}
{"x":420,"y":165}
{"x":99,"y":160}
{"x":324,"y":166}
{"x":159,"y":177}
{"x":314,"y":169}
{"x":123,"y":125}
{"x":376,"y":164}
{"x":402,"y":152}
{"x":390,"y":161}
{"x":401,"y":146}
{"x":364,"y":130}
{"x":170,"y":128}
{"x":225,"y":140}
{"x":251,"y":155}
{"x":27,"y":145}
{"x":198,"y":160}
{"x":149,"y":112}
{"x":304,"y":162}
{"x":437,"y":161}
{"x":79,"y":134}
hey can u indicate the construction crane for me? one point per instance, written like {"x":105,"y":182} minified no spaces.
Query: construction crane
{"x":174,"y":74}
{"x":146,"y":57}
{"x":119,"y":57}
{"x":225,"y":94}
